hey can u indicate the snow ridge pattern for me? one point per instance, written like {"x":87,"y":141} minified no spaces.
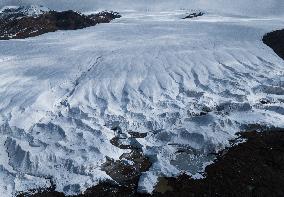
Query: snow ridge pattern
{"x":190,"y":84}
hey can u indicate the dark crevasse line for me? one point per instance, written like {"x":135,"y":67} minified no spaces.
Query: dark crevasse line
{"x":77,"y":81}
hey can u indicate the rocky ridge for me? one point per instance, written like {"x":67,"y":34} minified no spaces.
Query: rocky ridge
{"x":23,"y":22}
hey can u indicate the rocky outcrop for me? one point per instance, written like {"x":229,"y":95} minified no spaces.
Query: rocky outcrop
{"x":275,"y":40}
{"x":127,"y":170}
{"x":19,"y":23}
{"x":194,"y":15}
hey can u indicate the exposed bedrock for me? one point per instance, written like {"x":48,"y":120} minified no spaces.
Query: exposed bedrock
{"x":275,"y":40}
{"x":17,"y":24}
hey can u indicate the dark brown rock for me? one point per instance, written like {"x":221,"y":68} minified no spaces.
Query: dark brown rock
{"x":275,"y":40}
{"x":128,"y":169}
{"x":194,"y":15}
{"x":134,"y":134}
{"x":30,"y":26}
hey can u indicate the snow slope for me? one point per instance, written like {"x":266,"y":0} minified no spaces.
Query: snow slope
{"x":191,"y":84}
{"x":29,"y":10}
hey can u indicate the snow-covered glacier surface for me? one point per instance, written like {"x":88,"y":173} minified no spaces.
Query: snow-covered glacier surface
{"x":190,"y":84}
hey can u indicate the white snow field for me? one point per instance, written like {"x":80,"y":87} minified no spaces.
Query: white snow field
{"x":149,"y":71}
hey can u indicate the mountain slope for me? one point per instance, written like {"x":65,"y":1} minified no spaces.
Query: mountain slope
{"x":29,"y":21}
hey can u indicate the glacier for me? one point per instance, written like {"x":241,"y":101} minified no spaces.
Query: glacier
{"x":190,"y":84}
